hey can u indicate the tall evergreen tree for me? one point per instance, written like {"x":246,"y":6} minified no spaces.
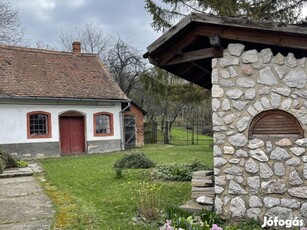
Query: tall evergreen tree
{"x":169,"y":11}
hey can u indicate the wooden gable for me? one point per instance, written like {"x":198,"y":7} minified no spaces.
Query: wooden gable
{"x":188,"y":48}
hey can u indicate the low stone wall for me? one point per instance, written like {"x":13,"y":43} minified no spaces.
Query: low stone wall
{"x":265,"y":175}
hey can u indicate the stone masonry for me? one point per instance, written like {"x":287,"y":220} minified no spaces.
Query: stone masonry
{"x":202,"y":192}
{"x":267,"y":175}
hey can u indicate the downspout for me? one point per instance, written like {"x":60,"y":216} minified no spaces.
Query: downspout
{"x":122,"y":142}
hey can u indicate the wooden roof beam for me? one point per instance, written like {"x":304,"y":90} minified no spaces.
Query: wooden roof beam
{"x":184,"y":70}
{"x":196,"y":55}
{"x":202,"y":79}
{"x":202,"y":68}
{"x":152,"y":61}
{"x":254,"y":36}
{"x":176,"y":48}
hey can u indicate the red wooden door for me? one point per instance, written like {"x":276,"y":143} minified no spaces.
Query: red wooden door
{"x":72,"y":135}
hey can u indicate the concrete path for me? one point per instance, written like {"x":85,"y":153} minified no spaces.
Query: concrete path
{"x":23,"y":204}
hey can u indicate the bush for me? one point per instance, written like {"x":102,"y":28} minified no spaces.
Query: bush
{"x":177,"y":218}
{"x":148,"y":199}
{"x":207,"y":220}
{"x":134,"y":160}
{"x":118,"y":173}
{"x":7,"y":161}
{"x":22,"y":164}
{"x":210,"y":217}
{"x":173,"y":211}
{"x":177,"y":172}
{"x":250,"y":224}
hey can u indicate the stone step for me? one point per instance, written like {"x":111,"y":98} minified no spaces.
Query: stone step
{"x":204,"y":200}
{"x":206,"y":182}
{"x":200,"y":191}
{"x":203,"y":189}
{"x":16,"y":172}
{"x":193,"y":206}
{"x":201,"y":174}
{"x":195,"y":195}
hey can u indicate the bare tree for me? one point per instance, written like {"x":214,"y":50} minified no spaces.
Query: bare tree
{"x":165,"y":95}
{"x":124,"y":61}
{"x":126,"y":64}
{"x":11,"y":32}
{"x":92,"y":38}
{"x":43,"y":45}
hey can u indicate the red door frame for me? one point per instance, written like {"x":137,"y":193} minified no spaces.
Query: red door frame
{"x":74,"y":132}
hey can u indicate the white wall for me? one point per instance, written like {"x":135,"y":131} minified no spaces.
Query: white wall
{"x":13,"y":121}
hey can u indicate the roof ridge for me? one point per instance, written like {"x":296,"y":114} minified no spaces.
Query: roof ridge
{"x":46,"y":51}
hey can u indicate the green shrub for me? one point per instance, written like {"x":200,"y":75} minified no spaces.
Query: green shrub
{"x":7,"y":161}
{"x":173,"y":211}
{"x":250,"y":224}
{"x":148,"y":200}
{"x":210,"y":217}
{"x":177,"y":218}
{"x":11,"y":162}
{"x":177,"y":172}
{"x":118,"y":173}
{"x":134,"y":160}
{"x":22,"y":164}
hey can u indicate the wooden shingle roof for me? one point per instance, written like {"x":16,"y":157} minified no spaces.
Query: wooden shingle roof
{"x":28,"y":72}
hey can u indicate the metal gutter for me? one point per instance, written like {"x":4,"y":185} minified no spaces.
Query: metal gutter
{"x":62,"y":99}
{"x":58,"y":101}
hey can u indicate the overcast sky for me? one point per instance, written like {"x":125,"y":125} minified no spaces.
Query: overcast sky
{"x":44,"y":20}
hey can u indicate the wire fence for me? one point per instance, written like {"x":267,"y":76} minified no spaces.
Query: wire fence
{"x":179,"y":133}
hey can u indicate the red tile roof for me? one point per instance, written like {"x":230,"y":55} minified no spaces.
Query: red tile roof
{"x":43,"y":73}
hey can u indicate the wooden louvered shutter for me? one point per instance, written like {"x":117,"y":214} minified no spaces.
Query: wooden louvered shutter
{"x":275,"y":122}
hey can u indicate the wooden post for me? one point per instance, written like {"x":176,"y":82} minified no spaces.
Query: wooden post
{"x":187,"y":132}
{"x":192,"y":132}
{"x":154,"y":137}
{"x":197,"y":131}
{"x":166,"y":133}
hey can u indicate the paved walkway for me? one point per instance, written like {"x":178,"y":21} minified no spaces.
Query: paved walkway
{"x":23,"y":204}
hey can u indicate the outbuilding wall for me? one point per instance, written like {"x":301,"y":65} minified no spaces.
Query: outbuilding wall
{"x":266,"y":175}
{"x":139,"y":124}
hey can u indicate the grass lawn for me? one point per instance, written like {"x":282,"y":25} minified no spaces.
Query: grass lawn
{"x":182,"y":136}
{"x":87,"y":195}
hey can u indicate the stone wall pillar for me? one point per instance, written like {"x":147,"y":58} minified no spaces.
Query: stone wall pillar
{"x":263,"y":176}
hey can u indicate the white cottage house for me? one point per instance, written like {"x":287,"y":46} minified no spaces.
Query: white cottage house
{"x":57,"y":103}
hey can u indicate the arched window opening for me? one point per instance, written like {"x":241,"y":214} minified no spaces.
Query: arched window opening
{"x":275,"y":123}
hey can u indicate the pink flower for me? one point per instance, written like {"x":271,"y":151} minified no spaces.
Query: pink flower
{"x":167,"y":225}
{"x":216,"y":227}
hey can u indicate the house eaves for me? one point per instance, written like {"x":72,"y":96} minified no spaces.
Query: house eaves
{"x":188,"y":48}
